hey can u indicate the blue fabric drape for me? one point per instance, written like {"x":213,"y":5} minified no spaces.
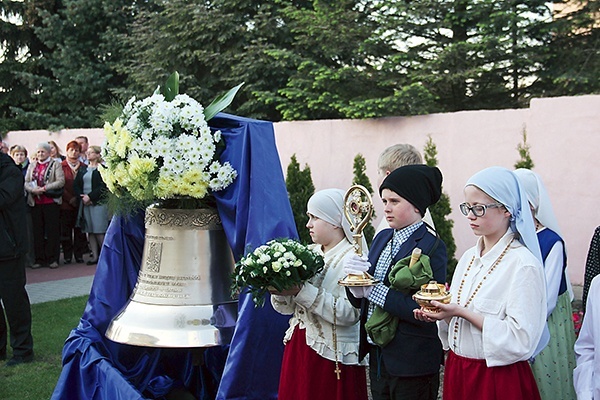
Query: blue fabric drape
{"x":254,"y":209}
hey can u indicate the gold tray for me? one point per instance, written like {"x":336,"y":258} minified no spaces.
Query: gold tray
{"x":365,"y":280}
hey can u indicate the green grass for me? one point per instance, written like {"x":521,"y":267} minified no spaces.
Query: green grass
{"x":52,"y":323}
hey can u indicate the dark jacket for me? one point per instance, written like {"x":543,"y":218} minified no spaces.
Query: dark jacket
{"x":12,"y":208}
{"x":416,"y":349}
{"x":99,"y":192}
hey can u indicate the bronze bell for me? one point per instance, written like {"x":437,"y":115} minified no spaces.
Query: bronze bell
{"x":182,"y":297}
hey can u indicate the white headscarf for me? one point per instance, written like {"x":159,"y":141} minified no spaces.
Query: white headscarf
{"x":328,"y":205}
{"x":538,"y":198}
{"x":503,"y":186}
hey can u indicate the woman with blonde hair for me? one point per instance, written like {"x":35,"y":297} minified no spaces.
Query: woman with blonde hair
{"x":92,"y":213}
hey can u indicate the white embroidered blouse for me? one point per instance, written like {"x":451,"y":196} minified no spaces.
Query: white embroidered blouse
{"x":512,"y":299}
{"x":313,"y":309}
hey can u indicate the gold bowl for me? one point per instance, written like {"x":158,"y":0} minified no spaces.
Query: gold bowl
{"x":429,"y":292}
{"x":364,"y":279}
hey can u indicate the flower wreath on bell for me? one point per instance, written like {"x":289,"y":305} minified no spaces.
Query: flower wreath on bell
{"x":161,"y":148}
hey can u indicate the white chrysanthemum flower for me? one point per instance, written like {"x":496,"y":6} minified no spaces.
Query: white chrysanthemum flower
{"x":214,"y":167}
{"x":215,"y":184}
{"x":207,"y":154}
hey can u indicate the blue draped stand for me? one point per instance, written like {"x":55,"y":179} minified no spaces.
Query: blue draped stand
{"x":254,"y":209}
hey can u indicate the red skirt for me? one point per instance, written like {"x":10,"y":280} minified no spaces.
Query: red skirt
{"x":305,"y":375}
{"x":468,"y":378}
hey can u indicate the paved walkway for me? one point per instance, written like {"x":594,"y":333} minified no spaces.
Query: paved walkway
{"x":73,"y":280}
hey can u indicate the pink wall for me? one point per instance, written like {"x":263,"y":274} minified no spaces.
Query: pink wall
{"x":564,"y":135}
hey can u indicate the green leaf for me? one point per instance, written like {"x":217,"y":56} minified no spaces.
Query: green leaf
{"x":221,"y":102}
{"x":172,"y":86}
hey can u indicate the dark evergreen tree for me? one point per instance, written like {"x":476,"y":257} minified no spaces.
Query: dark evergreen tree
{"x":440,"y":211}
{"x":299,"y":187}
{"x":60,"y":60}
{"x":21,"y":54}
{"x":470,"y":54}
{"x":72,"y":72}
{"x":214,"y":45}
{"x":361,"y":178}
{"x":576,"y":38}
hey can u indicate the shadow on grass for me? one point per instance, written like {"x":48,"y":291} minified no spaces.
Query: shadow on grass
{"x":52,"y":323}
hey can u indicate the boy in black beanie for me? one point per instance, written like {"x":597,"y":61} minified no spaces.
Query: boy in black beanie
{"x":407,"y":367}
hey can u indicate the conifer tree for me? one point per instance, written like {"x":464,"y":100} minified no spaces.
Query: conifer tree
{"x":299,"y":187}
{"x":523,"y":148}
{"x":360,"y":178}
{"x":439,"y":211}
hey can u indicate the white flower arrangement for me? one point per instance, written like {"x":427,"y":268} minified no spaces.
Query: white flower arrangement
{"x":280,"y":264}
{"x":163,"y":149}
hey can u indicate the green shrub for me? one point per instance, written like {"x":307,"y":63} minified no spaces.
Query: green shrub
{"x":439,"y":212}
{"x":299,"y":187}
{"x":360,"y":178}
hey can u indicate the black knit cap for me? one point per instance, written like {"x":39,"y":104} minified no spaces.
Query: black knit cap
{"x":418,"y":183}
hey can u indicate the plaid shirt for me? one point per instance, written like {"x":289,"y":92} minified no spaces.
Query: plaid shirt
{"x":380,"y":291}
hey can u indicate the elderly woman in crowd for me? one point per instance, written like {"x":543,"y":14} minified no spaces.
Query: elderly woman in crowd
{"x":44,"y":182}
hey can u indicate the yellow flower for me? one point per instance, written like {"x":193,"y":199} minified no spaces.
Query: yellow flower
{"x":193,"y":175}
{"x":140,"y":166}
{"x":163,"y":186}
{"x":123,"y":142}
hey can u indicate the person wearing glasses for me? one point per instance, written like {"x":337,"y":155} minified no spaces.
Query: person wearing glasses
{"x":497,"y":315}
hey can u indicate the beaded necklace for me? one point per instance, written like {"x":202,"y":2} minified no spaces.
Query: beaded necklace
{"x":462,"y":283}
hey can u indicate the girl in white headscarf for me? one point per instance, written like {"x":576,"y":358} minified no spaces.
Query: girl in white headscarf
{"x":498,"y":310}
{"x":554,"y":379}
{"x":321,"y":359}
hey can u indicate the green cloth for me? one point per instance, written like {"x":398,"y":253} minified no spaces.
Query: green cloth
{"x":382,"y":326}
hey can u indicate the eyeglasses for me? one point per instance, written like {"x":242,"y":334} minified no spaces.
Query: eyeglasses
{"x":479,"y":209}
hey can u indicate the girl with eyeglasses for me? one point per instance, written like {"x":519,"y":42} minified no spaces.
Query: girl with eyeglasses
{"x":497,"y":315}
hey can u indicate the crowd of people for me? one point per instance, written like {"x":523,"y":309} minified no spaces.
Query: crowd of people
{"x":66,"y":197}
{"x":48,"y":202}
{"x":506,"y":333}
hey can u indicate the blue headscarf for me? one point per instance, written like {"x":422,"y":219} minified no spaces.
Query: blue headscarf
{"x":503,"y":186}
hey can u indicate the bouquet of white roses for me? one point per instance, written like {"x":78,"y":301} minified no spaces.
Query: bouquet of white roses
{"x":280,"y":264}
{"x":161,"y":147}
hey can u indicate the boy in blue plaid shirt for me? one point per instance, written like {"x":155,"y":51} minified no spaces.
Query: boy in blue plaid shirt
{"x":406,"y":368}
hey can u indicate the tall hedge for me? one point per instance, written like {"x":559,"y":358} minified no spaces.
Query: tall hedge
{"x":440,"y":211}
{"x":299,"y":187}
